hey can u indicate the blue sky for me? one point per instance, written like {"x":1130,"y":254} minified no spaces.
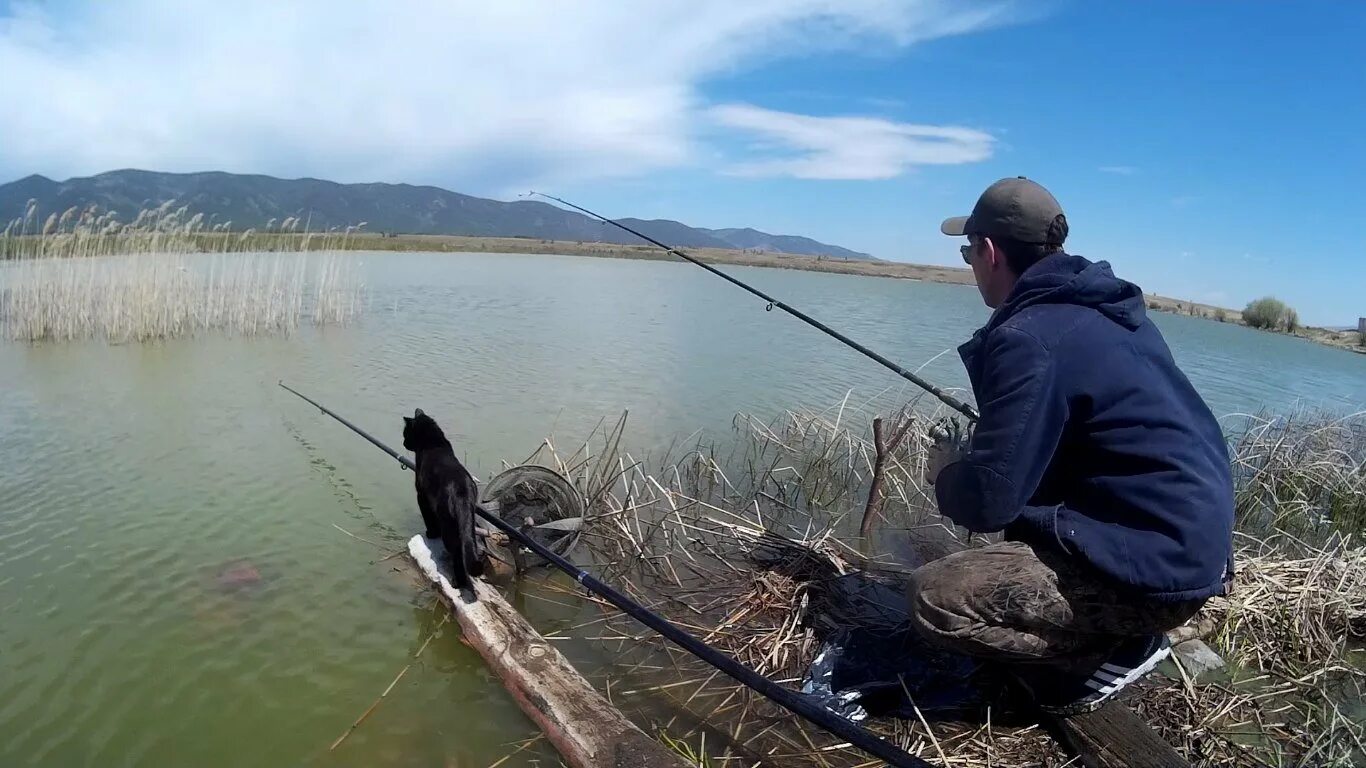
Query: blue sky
{"x":1206,"y":153}
{"x":1207,"y":150}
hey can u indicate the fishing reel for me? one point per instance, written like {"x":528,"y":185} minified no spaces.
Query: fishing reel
{"x":539,"y":502}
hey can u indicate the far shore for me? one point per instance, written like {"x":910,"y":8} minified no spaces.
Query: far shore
{"x":1348,"y":340}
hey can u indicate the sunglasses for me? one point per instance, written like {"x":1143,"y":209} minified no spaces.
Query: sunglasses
{"x":966,"y":251}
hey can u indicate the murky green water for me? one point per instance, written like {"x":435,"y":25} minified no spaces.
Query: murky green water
{"x":173,"y":590}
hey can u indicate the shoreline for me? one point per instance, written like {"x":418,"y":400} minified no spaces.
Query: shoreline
{"x":771,"y":260}
{"x":374,"y":241}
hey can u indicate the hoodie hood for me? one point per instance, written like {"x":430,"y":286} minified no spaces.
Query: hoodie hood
{"x":1062,"y":278}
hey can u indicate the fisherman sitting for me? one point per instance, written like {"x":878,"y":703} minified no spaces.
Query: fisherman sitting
{"x":1104,"y":468}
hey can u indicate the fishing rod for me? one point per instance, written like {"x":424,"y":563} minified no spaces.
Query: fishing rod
{"x":790,"y":700}
{"x":944,"y":397}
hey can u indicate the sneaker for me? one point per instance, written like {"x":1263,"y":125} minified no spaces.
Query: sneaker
{"x":1078,"y":694}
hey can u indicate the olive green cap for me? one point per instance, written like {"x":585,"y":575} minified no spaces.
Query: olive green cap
{"x":1015,"y":209}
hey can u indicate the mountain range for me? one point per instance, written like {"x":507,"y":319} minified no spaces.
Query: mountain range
{"x":251,"y":201}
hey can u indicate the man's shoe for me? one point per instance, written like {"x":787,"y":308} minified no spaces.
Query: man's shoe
{"x":1067,"y":695}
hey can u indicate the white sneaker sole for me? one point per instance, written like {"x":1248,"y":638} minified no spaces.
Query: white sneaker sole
{"x":1118,"y":683}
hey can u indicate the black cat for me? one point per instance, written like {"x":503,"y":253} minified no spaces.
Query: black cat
{"x":446,"y":494}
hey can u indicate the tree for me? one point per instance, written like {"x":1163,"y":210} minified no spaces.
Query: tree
{"x":1291,"y":320}
{"x":1272,"y":314}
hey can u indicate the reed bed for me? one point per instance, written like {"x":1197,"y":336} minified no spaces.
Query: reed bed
{"x":735,"y":544}
{"x":1301,"y":474}
{"x":84,"y":275}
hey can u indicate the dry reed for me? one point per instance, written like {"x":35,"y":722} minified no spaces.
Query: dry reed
{"x":84,"y":275}
{"x":1303,"y":474}
{"x":729,"y":543}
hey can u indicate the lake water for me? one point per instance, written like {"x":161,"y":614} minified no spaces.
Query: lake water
{"x":173,"y":590}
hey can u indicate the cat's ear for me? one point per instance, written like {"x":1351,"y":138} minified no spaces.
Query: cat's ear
{"x":407,"y":420}
{"x":418,"y":413}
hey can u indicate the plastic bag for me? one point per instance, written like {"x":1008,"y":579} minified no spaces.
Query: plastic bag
{"x":872,"y":661}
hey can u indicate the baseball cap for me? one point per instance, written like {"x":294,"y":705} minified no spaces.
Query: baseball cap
{"x":1017,"y":209}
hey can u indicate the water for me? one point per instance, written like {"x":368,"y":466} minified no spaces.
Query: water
{"x":172,"y":586}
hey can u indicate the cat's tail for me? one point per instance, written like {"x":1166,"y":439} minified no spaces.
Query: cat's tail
{"x":474,"y":566}
{"x":462,"y":510}
{"x":473,"y":562}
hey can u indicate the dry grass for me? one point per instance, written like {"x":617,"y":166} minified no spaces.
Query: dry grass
{"x":729,"y":545}
{"x":1313,"y":606}
{"x":1303,"y":474}
{"x":88,"y":276}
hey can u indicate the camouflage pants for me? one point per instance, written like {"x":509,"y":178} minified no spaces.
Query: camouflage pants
{"x":1008,"y":603}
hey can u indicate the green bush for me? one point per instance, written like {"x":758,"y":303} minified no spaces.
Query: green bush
{"x":1220,"y":315}
{"x":1272,"y":314}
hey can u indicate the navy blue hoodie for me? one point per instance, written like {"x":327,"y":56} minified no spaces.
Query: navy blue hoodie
{"x":1092,"y":441}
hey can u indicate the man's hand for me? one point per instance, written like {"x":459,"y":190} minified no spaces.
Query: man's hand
{"x":949,"y":443}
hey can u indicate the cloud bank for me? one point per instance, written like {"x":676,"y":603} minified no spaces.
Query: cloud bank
{"x":468,"y":94}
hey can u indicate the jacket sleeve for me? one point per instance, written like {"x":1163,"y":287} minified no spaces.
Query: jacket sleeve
{"x":1023,"y":412}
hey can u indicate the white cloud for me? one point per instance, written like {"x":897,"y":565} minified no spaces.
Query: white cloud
{"x":1122,"y":170}
{"x":847,"y":147}
{"x":503,"y":93}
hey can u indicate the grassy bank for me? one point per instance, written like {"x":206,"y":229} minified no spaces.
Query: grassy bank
{"x":459,"y":244}
{"x":739,"y":542}
{"x":1349,"y":340}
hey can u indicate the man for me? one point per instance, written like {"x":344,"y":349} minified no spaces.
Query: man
{"x":1095,"y":456}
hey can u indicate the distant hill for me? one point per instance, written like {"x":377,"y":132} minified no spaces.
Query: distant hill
{"x":763,"y":241}
{"x":252,"y":201}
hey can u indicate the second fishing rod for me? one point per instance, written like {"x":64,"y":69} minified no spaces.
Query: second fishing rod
{"x":944,"y":397}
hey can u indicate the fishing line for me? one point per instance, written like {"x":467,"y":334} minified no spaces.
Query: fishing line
{"x":944,"y":397}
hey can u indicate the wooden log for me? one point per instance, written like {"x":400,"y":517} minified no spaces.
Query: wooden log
{"x":1114,"y":737}
{"x":587,"y":731}
{"x":1111,"y":737}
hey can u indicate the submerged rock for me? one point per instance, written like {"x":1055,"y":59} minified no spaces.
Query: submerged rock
{"x":1197,"y":659}
{"x":237,"y":576}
